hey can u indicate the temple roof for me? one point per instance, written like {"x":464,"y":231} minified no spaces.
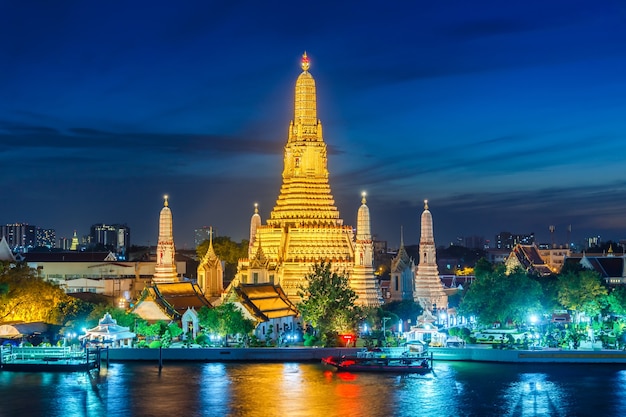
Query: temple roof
{"x":529,"y":259}
{"x":265,"y":301}
{"x":174,"y":298}
{"x":5,"y":251}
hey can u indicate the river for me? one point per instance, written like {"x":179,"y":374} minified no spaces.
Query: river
{"x":306,"y":389}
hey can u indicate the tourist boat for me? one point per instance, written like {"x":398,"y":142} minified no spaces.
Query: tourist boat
{"x":381,"y":361}
{"x":48,"y":359}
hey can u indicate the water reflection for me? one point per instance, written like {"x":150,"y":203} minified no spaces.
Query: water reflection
{"x":534,"y":395}
{"x":302,"y":390}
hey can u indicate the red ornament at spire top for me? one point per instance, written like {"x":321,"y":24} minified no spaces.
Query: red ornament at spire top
{"x":305,"y":62}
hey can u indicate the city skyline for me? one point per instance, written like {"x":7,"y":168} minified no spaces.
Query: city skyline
{"x":505,"y":117}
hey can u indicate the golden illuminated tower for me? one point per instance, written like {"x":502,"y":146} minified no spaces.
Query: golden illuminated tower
{"x":428,"y":288}
{"x":210,"y":272}
{"x":304,"y":227}
{"x":165,"y":269}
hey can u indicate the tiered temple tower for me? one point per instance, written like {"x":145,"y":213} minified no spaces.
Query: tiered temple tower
{"x":304,"y":227}
{"x":362,"y":279}
{"x":211,"y":273}
{"x":165,"y":269}
{"x":428,"y":288}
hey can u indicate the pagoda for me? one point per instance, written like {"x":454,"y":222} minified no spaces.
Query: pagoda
{"x":429,"y":291}
{"x":165,"y":269}
{"x":304,"y":227}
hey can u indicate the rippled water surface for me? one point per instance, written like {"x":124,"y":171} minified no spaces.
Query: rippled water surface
{"x":260,"y":390}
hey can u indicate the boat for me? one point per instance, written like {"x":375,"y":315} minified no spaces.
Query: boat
{"x":48,"y":359}
{"x":380,"y":360}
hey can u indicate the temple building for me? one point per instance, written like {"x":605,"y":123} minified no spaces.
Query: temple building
{"x":165,"y":269}
{"x":304,"y":227}
{"x":429,"y":292}
{"x":211,"y":273}
{"x":402,"y":275}
{"x":168,"y":298}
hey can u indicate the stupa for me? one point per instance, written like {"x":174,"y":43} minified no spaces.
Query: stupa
{"x":165,"y":269}
{"x":305,"y":227}
{"x":429,"y":291}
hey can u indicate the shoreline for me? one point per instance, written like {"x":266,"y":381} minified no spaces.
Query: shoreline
{"x":303,"y":354}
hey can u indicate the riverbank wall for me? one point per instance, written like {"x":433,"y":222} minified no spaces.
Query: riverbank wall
{"x":480,"y":354}
{"x":299,"y":354}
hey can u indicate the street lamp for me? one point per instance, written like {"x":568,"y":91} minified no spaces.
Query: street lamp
{"x":385,"y":328}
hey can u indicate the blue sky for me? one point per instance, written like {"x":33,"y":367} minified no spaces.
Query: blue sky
{"x":504,"y":116}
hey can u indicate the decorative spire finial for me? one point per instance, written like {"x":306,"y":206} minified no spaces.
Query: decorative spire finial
{"x":165,"y":203}
{"x":363,"y":200}
{"x":305,"y":64}
{"x":425,"y":204}
{"x":256,"y":208}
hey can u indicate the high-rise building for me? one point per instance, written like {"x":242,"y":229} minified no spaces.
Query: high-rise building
{"x":304,"y":227}
{"x":114,"y":237}
{"x":46,"y":237}
{"x":507,"y":240}
{"x":19,"y":236}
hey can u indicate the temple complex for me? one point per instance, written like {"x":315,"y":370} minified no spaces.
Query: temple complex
{"x":165,"y":269}
{"x":305,"y":227}
{"x":429,"y":291}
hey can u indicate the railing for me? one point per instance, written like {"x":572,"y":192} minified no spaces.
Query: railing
{"x":11,"y":353}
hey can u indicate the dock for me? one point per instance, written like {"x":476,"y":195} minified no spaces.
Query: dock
{"x":48,"y":359}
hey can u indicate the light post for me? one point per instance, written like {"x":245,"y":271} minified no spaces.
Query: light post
{"x":385,"y":328}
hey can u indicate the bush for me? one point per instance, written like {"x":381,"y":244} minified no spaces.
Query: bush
{"x":155,"y":344}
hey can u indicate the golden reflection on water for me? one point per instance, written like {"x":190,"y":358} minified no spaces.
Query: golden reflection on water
{"x":303,"y":390}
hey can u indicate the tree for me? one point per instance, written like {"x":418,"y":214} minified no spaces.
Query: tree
{"x":328,"y":303}
{"x":582,"y":292}
{"x":26,"y":297}
{"x":405,"y":310}
{"x":225,"y":320}
{"x":617,"y":301}
{"x":500,"y":297}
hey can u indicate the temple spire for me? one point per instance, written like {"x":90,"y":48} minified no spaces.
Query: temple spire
{"x":165,"y":269}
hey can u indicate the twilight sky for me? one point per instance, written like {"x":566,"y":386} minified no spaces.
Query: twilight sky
{"x":504,"y":115}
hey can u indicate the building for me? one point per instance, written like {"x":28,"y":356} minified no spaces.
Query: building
{"x":211,"y":273}
{"x":402,"y":273}
{"x":46,"y":237}
{"x":611,"y":268}
{"x":507,"y":240}
{"x":20,"y":236}
{"x":305,"y":227}
{"x":113,"y":237}
{"x":528,"y":258}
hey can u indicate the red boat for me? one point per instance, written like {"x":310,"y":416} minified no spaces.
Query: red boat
{"x":379,"y":362}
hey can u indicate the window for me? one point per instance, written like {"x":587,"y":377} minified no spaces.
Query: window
{"x":255,"y":277}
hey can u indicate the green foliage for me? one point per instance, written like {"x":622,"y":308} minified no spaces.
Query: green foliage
{"x":224,"y":320}
{"x":498,"y":297}
{"x":174,"y":330}
{"x":582,"y":291}
{"x":328,"y":302}
{"x":228,"y":251}
{"x":617,"y":301}
{"x":405,"y":310}
{"x":155,"y":344}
